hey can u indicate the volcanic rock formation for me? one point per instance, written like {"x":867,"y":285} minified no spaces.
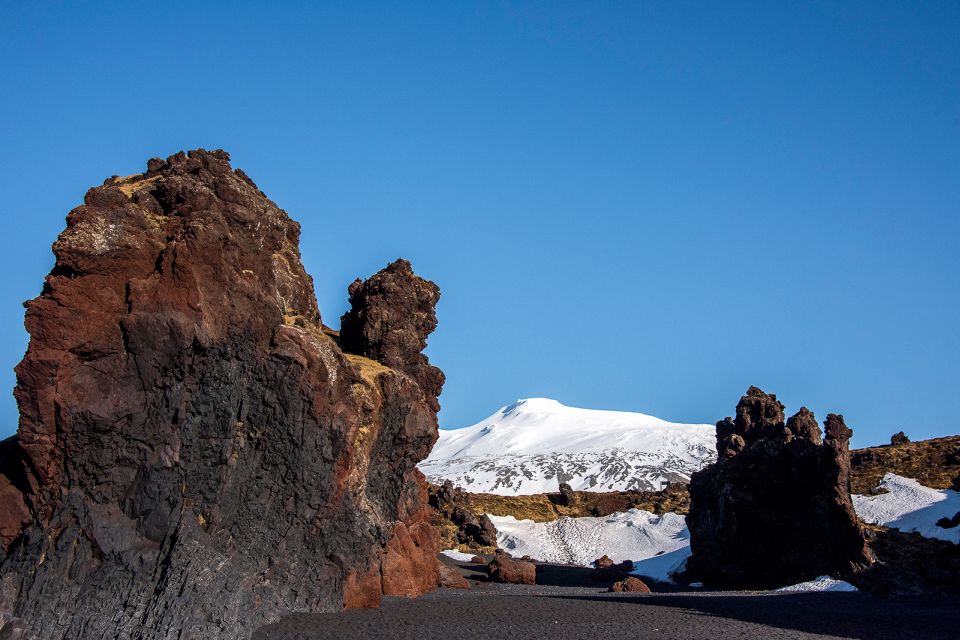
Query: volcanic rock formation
{"x":457,"y":520}
{"x":775,"y":508}
{"x":196,"y":455}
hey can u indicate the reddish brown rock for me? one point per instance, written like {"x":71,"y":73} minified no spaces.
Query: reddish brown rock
{"x":503,"y":568}
{"x":775,"y":508}
{"x":452,"y":579}
{"x":182,"y":409}
{"x":409,"y":566}
{"x":631,"y":584}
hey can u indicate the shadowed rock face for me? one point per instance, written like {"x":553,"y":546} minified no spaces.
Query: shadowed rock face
{"x":195,"y":454}
{"x":775,"y":508}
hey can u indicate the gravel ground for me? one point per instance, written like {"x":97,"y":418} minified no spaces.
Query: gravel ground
{"x":556,"y":612}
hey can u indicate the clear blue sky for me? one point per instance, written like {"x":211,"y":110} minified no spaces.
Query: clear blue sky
{"x":630,"y":206}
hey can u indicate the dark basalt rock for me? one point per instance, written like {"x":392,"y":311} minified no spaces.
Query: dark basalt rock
{"x":452,"y":504}
{"x":775,"y":508}
{"x":909,"y":564}
{"x":196,"y":456}
{"x":391,"y":315}
{"x":568,"y":497}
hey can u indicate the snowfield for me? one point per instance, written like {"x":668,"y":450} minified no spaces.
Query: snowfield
{"x":910,"y":506}
{"x":533,"y":445}
{"x":657,"y":544}
{"x":660,"y":545}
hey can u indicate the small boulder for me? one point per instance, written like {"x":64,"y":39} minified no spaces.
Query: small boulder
{"x":452,"y":579}
{"x":503,"y":568}
{"x":630,"y":584}
{"x":478,"y":560}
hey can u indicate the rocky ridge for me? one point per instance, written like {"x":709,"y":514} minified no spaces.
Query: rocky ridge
{"x":196,"y":455}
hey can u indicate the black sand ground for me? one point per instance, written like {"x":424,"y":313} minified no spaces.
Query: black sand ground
{"x":563,"y":612}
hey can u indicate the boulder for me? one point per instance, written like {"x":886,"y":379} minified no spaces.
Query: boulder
{"x":182,"y":408}
{"x":452,"y":579}
{"x":503,"y":568}
{"x":631,"y":584}
{"x":775,"y":508}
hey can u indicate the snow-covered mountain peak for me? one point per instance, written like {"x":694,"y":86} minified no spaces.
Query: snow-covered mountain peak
{"x":533,"y":444}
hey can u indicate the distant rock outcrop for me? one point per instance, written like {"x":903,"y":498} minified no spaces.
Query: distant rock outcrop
{"x":458,"y":521}
{"x":775,"y":508}
{"x":196,"y":455}
{"x":899,"y":438}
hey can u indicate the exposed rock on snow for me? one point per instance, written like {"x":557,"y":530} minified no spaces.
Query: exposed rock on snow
{"x":534,"y":445}
{"x":909,"y":506}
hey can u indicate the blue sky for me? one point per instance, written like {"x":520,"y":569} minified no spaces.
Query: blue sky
{"x":636,"y":206}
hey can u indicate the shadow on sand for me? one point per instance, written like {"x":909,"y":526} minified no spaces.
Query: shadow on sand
{"x":848,"y":615}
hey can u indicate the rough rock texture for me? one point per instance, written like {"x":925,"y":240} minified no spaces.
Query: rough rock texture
{"x":455,"y":517}
{"x":933,"y":463}
{"x":390,"y":317}
{"x":503,"y":568}
{"x":909,"y":564}
{"x":775,"y":508}
{"x":631,"y":584}
{"x":196,"y":456}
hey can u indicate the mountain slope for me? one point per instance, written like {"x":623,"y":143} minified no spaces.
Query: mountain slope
{"x":533,"y":445}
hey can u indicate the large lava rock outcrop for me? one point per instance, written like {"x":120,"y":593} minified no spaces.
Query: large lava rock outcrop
{"x":196,"y":455}
{"x":775,"y":508}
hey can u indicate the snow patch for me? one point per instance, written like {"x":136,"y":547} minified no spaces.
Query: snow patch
{"x":910,"y":506}
{"x":657,"y":544}
{"x":823,"y":583}
{"x":459,"y":556}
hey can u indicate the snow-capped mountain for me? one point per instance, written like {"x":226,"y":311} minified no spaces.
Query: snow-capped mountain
{"x":532,"y":445}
